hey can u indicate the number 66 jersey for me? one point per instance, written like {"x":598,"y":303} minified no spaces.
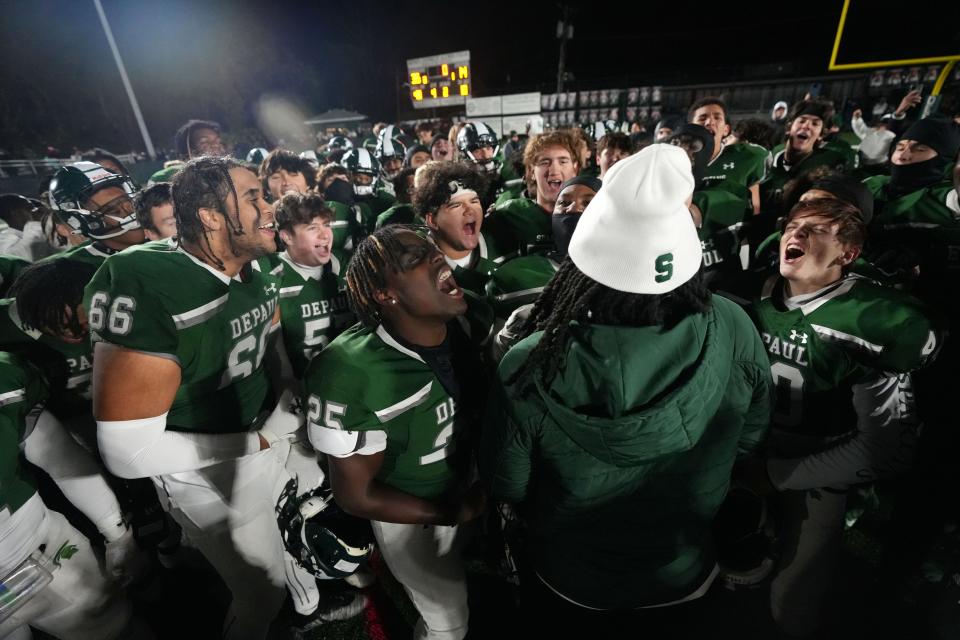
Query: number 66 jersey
{"x":839,"y":356}
{"x":158,"y":299}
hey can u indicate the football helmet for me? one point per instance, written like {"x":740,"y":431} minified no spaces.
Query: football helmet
{"x":389,"y":148}
{"x":320,"y":536}
{"x":339,"y":143}
{"x":72,"y":187}
{"x":476,"y":135}
{"x":600,"y":128}
{"x":361,"y":162}
{"x":256,"y":155}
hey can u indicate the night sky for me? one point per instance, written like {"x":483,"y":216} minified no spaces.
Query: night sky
{"x":215,"y":59}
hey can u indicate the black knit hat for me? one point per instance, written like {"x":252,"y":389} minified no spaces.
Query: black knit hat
{"x":941,"y":135}
{"x":587,"y":181}
{"x":817,"y":108}
{"x":848,"y":190}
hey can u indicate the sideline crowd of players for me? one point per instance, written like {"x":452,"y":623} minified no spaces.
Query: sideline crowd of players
{"x":596,"y":360}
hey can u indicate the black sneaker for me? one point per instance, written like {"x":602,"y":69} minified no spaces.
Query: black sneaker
{"x":338,"y":601}
{"x":743,"y":539}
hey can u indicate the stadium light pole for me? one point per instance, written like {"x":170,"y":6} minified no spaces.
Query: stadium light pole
{"x":126,"y":81}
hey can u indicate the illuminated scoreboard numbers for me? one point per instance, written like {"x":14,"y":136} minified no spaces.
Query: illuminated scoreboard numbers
{"x":439,"y":80}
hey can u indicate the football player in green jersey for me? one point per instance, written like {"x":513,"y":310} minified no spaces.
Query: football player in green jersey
{"x":283,"y":172}
{"x":393,"y":402}
{"x":51,"y":575}
{"x":720,"y":214}
{"x":448,"y":198}
{"x":193,"y":139}
{"x":514,"y":287}
{"x":917,"y":213}
{"x":801,"y":152}
{"x":313,"y":305}
{"x":841,"y":350}
{"x":402,"y":211}
{"x":205,"y":432}
{"x":737,"y":166}
{"x":98,"y":205}
{"x":369,"y":194}
{"x":522,"y":225}
{"x":917,"y":239}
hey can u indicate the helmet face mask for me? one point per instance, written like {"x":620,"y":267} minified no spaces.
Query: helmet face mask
{"x":389,"y":148}
{"x":361,"y":162}
{"x":73,"y":186}
{"x":322,"y":538}
{"x":474,"y":136}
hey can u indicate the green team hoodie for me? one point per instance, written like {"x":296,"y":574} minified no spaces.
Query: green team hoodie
{"x":620,"y":466}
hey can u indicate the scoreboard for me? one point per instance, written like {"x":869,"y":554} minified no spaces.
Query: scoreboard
{"x":439,"y":81}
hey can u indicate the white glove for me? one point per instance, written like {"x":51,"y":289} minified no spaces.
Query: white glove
{"x":286,"y":420}
{"x":126,"y":563}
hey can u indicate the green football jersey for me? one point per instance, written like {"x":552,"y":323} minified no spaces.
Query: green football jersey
{"x":67,"y":367}
{"x":367,"y":381}
{"x":159,"y":299}
{"x":520,"y":227}
{"x":10,"y":268}
{"x":347,"y":225}
{"x":90,"y":252}
{"x":835,"y":339}
{"x":313,"y":308}
{"x":724,"y":216}
{"x":373,"y":206}
{"x":841,"y":147}
{"x":921,"y":228}
{"x":400,"y":213}
{"x":483,"y":261}
{"x":510,"y":191}
{"x":518,"y":282}
{"x":21,"y":390}
{"x":771,"y":189}
{"x":743,"y":164}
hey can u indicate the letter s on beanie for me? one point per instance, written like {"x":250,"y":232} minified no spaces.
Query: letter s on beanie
{"x":637,"y":235}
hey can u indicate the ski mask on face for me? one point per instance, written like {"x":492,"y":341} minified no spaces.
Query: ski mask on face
{"x":564,"y":224}
{"x":698,"y":143}
{"x":940,"y":135}
{"x":906,"y":178}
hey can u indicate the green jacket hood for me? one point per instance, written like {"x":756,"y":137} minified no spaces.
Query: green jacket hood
{"x":629,"y":395}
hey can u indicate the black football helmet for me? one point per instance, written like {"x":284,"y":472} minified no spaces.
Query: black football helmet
{"x":476,"y":135}
{"x":388,"y":148}
{"x":72,"y":187}
{"x":320,"y":536}
{"x":360,"y":161}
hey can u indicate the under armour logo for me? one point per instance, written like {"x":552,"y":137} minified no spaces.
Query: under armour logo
{"x":728,"y":165}
{"x":270,"y":289}
{"x":794,"y":334}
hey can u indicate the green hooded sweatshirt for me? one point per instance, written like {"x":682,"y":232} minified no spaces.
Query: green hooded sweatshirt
{"x":620,"y":466}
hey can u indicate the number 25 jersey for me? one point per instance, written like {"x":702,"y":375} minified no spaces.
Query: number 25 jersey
{"x":365,"y":380}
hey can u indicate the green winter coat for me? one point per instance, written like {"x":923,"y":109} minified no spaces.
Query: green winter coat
{"x":619,"y":467}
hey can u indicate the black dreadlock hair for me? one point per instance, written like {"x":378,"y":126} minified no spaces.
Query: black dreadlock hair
{"x":205,"y":183}
{"x":48,"y":293}
{"x":367,"y":271}
{"x":573,"y":296}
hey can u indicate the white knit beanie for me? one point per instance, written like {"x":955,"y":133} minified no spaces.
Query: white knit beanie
{"x":637,"y":235}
